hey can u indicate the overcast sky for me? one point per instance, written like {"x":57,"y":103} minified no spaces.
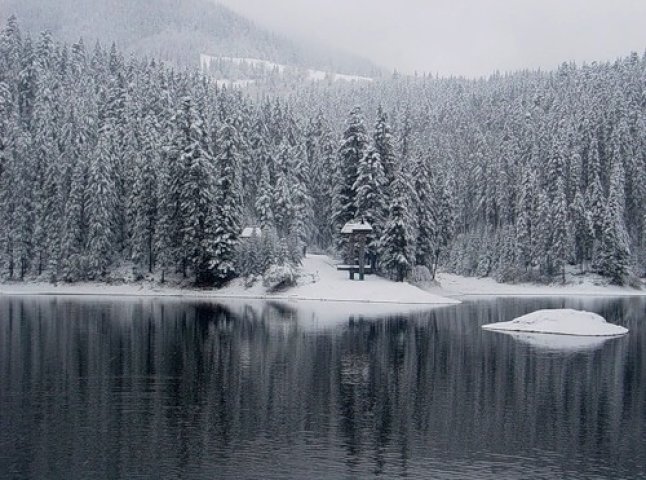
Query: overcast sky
{"x":461,"y":37}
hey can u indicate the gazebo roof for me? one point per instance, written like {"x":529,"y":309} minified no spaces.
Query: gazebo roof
{"x":356,"y":227}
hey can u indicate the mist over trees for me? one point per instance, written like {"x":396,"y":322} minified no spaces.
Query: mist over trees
{"x":175,"y":31}
{"x":108,"y":161}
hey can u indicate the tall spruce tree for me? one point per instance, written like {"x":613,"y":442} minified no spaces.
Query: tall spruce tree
{"x":398,"y":241}
{"x":284,"y":210}
{"x":370,"y":188}
{"x":615,"y":250}
{"x":385,"y":144}
{"x":101,"y":203}
{"x":264,"y":201}
{"x":228,"y":204}
{"x":425,"y":212}
{"x":196,"y":194}
{"x":144,"y":201}
{"x":75,"y":228}
{"x":353,"y":148}
{"x":524,"y":225}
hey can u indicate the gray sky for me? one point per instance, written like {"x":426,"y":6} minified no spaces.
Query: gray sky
{"x":461,"y":37}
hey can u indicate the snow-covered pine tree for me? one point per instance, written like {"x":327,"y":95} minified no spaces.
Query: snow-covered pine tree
{"x":75,"y":228}
{"x":444,"y":219}
{"x":353,"y":148}
{"x":264,"y":200}
{"x":144,"y":199}
{"x":425,"y":212}
{"x":370,"y":188}
{"x":542,"y":234}
{"x":268,"y":249}
{"x":554,"y":222}
{"x":323,"y":153}
{"x":594,"y":197}
{"x":614,"y":254}
{"x":44,"y":130}
{"x":254,"y":162}
{"x":166,"y":233}
{"x":8,"y":126}
{"x":27,"y":83}
{"x":583,"y":233}
{"x":560,"y":250}
{"x":283,"y":201}
{"x":11,"y":47}
{"x":524,"y":224}
{"x":302,"y":224}
{"x":101,"y":201}
{"x":196,"y":193}
{"x":385,"y":144}
{"x":397,"y":255}
{"x":227,"y":211}
{"x":23,"y":221}
{"x":53,"y":219}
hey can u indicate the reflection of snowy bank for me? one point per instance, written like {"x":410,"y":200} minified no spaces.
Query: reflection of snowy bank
{"x":562,"y":322}
{"x":563,"y":343}
{"x":282,"y":315}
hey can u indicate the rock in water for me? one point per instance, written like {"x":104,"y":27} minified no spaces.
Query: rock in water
{"x":561,"y":322}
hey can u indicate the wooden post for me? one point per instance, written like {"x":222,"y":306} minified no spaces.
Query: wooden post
{"x":351,"y":249}
{"x":362,"y":249}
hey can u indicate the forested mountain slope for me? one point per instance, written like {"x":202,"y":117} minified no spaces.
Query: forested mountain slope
{"x":107,"y":161}
{"x":174,"y":30}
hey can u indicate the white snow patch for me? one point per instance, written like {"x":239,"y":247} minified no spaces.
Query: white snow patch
{"x":333,"y":284}
{"x":560,"y":322}
{"x":310,"y":74}
{"x":320,"y":280}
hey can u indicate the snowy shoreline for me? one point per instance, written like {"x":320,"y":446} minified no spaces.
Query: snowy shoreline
{"x":326,"y":284}
{"x":321,"y":282}
{"x":98,"y":290}
{"x":452,"y":285}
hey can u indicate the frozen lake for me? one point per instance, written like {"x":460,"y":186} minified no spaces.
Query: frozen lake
{"x":159,"y":388}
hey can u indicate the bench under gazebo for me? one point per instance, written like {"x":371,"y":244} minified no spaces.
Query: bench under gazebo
{"x":357,"y":235}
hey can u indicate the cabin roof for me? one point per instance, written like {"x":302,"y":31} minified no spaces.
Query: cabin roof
{"x":356,"y":227}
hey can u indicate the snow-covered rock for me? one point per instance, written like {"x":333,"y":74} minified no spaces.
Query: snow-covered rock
{"x":561,"y":322}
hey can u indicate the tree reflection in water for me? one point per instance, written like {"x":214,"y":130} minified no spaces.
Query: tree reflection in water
{"x":162,"y":388}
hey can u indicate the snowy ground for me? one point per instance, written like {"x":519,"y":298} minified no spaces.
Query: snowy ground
{"x":327,"y":283}
{"x":320,"y":282}
{"x":458,"y":286}
{"x":562,"y":322}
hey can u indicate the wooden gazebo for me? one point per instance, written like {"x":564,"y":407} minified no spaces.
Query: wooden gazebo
{"x":357,"y":234}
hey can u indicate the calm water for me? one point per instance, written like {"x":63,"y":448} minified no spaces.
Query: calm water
{"x":170,"y":389}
